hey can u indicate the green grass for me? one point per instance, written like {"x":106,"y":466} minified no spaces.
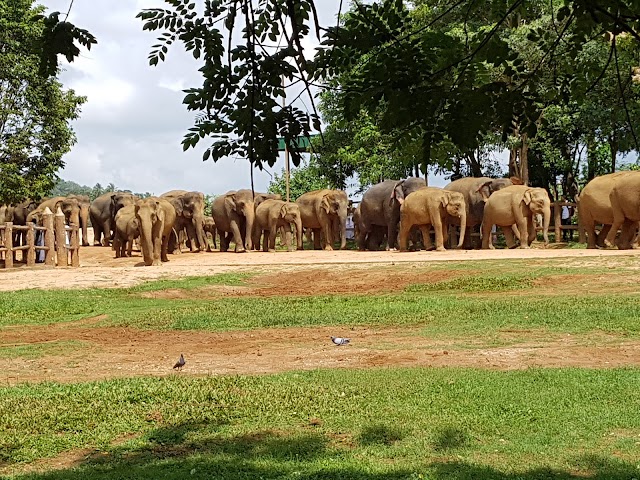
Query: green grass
{"x":39,"y":350}
{"x":376,"y":424}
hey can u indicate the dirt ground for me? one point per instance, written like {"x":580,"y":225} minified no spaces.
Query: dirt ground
{"x":100,"y":353}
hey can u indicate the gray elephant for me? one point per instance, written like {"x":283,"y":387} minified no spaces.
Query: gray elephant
{"x":127,"y":229}
{"x":234,"y":214}
{"x":85,"y":205}
{"x":18,"y":215}
{"x":380,"y":206}
{"x":156,"y":217}
{"x":474,"y":191}
{"x":189,"y":208}
{"x":210,"y":227}
{"x":103,"y":212}
{"x":270,"y":216}
{"x":320,"y":211}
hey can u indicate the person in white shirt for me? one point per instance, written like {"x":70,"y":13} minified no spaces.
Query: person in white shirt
{"x":565,"y":219}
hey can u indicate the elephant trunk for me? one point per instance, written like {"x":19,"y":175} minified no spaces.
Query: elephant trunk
{"x":198,"y":224}
{"x":146,"y":240}
{"x":342,"y":216}
{"x":249,"y":215}
{"x":463,"y":227}
{"x":546,"y":220}
{"x":298,"y":223}
{"x":84,"y":224}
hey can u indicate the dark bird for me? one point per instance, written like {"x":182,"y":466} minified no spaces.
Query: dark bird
{"x":340,"y":340}
{"x":180,"y":363}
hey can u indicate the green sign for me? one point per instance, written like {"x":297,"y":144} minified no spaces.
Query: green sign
{"x":301,"y":142}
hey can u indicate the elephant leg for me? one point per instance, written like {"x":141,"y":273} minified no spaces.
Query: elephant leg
{"x":602,"y":234}
{"x":213,"y":235}
{"x":237,"y":237}
{"x":522,"y":228}
{"x":532,"y":230}
{"x":392,"y":233}
{"x":438,"y":228}
{"x":116,"y":246}
{"x":405,"y":230}
{"x":272,"y":238}
{"x":192,"y":238}
{"x":164,"y":247}
{"x":487,"y":241}
{"x":224,"y":241}
{"x":316,"y":239}
{"x":426,"y":237}
{"x":327,"y":232}
{"x":509,"y":236}
{"x":106,"y":233}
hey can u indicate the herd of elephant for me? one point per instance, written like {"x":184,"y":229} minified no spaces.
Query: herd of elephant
{"x":390,"y":212}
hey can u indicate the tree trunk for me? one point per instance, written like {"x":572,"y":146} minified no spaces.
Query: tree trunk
{"x":519,"y":158}
{"x":613,"y":146}
{"x":474,"y":164}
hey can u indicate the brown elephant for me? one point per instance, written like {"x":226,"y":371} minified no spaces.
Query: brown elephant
{"x":103,"y":212}
{"x":156,"y":217}
{"x":18,"y":215}
{"x":320,"y":210}
{"x":85,"y":205}
{"x":474,"y":199}
{"x":210,"y":227}
{"x":69,"y":206}
{"x":261,"y":197}
{"x":234,"y":214}
{"x":381,"y":206}
{"x":431,"y":206}
{"x":189,"y":208}
{"x":127,"y":229}
{"x":516,"y":205}
{"x":624,"y":198}
{"x":270,"y":216}
{"x":594,"y":207}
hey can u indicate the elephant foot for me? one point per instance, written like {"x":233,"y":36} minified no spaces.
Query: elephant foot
{"x":441,"y":249}
{"x":608,"y":244}
{"x":272,"y":250}
{"x":525,"y":247}
{"x":240,"y":250}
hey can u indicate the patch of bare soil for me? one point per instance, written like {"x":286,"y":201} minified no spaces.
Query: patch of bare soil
{"x":123,"y":352}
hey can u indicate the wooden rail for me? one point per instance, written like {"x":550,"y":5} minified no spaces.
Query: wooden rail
{"x":55,"y":242}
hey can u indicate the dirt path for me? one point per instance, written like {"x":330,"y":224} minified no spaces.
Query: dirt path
{"x":102,"y":353}
{"x":100,"y":269}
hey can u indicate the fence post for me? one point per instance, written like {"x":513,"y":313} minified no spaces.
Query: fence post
{"x":61,"y":238}
{"x":75,"y":245}
{"x":49,"y":238}
{"x":8,"y":243}
{"x":557,"y":220}
{"x":31,"y":243}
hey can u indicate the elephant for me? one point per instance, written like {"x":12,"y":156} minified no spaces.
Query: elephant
{"x":6,"y":213}
{"x":432,"y":206}
{"x":210,"y":227}
{"x":103,"y":213}
{"x":594,"y":206}
{"x":69,"y":206}
{"x":85,"y":205}
{"x":271,"y":215}
{"x":189,"y":208}
{"x":474,"y":200}
{"x":127,"y":229}
{"x":234,"y":214}
{"x":516,"y":205}
{"x":377,"y":236}
{"x":380,"y":206}
{"x":320,"y":211}
{"x":156,"y":217}
{"x":625,"y":204}
{"x":18,"y":215}
{"x":261,"y":197}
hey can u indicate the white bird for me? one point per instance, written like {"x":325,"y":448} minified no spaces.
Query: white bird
{"x":340,"y":340}
{"x":180,"y":363}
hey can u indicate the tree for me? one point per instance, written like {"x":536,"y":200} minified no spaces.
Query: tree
{"x":35,"y":110}
{"x":302,"y":179}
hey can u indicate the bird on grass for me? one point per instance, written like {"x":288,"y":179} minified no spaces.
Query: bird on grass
{"x":180,"y":363}
{"x":340,"y":340}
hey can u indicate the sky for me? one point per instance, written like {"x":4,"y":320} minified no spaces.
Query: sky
{"x":131,"y":127}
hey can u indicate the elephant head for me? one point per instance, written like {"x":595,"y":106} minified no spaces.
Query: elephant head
{"x":495,"y":184}
{"x":150,"y":216}
{"x":453,"y":203}
{"x":85,"y":205}
{"x":405,"y":187}
{"x":69,"y":206}
{"x":537,"y":199}
{"x":290,"y":212}
{"x":119,"y":200}
{"x":261,"y":197}
{"x":240,"y":204}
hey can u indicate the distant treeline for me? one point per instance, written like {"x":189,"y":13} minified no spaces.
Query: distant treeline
{"x":67,"y":187}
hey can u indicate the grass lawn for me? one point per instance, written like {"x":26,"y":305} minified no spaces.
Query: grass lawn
{"x":429,"y":423}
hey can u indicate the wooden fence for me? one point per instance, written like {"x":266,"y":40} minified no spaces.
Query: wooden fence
{"x":57,"y":249}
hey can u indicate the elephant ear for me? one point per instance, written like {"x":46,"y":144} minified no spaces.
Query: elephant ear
{"x":445,"y":199}
{"x":283,"y":210}
{"x":230,"y":202}
{"x":397,"y":193}
{"x":527,"y":197}
{"x":178,"y":204}
{"x":516,"y":180}
{"x":485,"y":190}
{"x":325,"y":204}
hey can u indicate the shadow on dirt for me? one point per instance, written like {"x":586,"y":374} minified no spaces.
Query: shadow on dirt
{"x":194,"y":451}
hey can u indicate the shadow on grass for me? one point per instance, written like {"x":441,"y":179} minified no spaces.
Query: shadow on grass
{"x":191,"y":451}
{"x":450,"y":439}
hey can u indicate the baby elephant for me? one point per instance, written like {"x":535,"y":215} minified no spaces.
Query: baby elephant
{"x":210,"y":227}
{"x":272,"y":214}
{"x":431,"y":206}
{"x":126,"y":231}
{"x":516,"y":205}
